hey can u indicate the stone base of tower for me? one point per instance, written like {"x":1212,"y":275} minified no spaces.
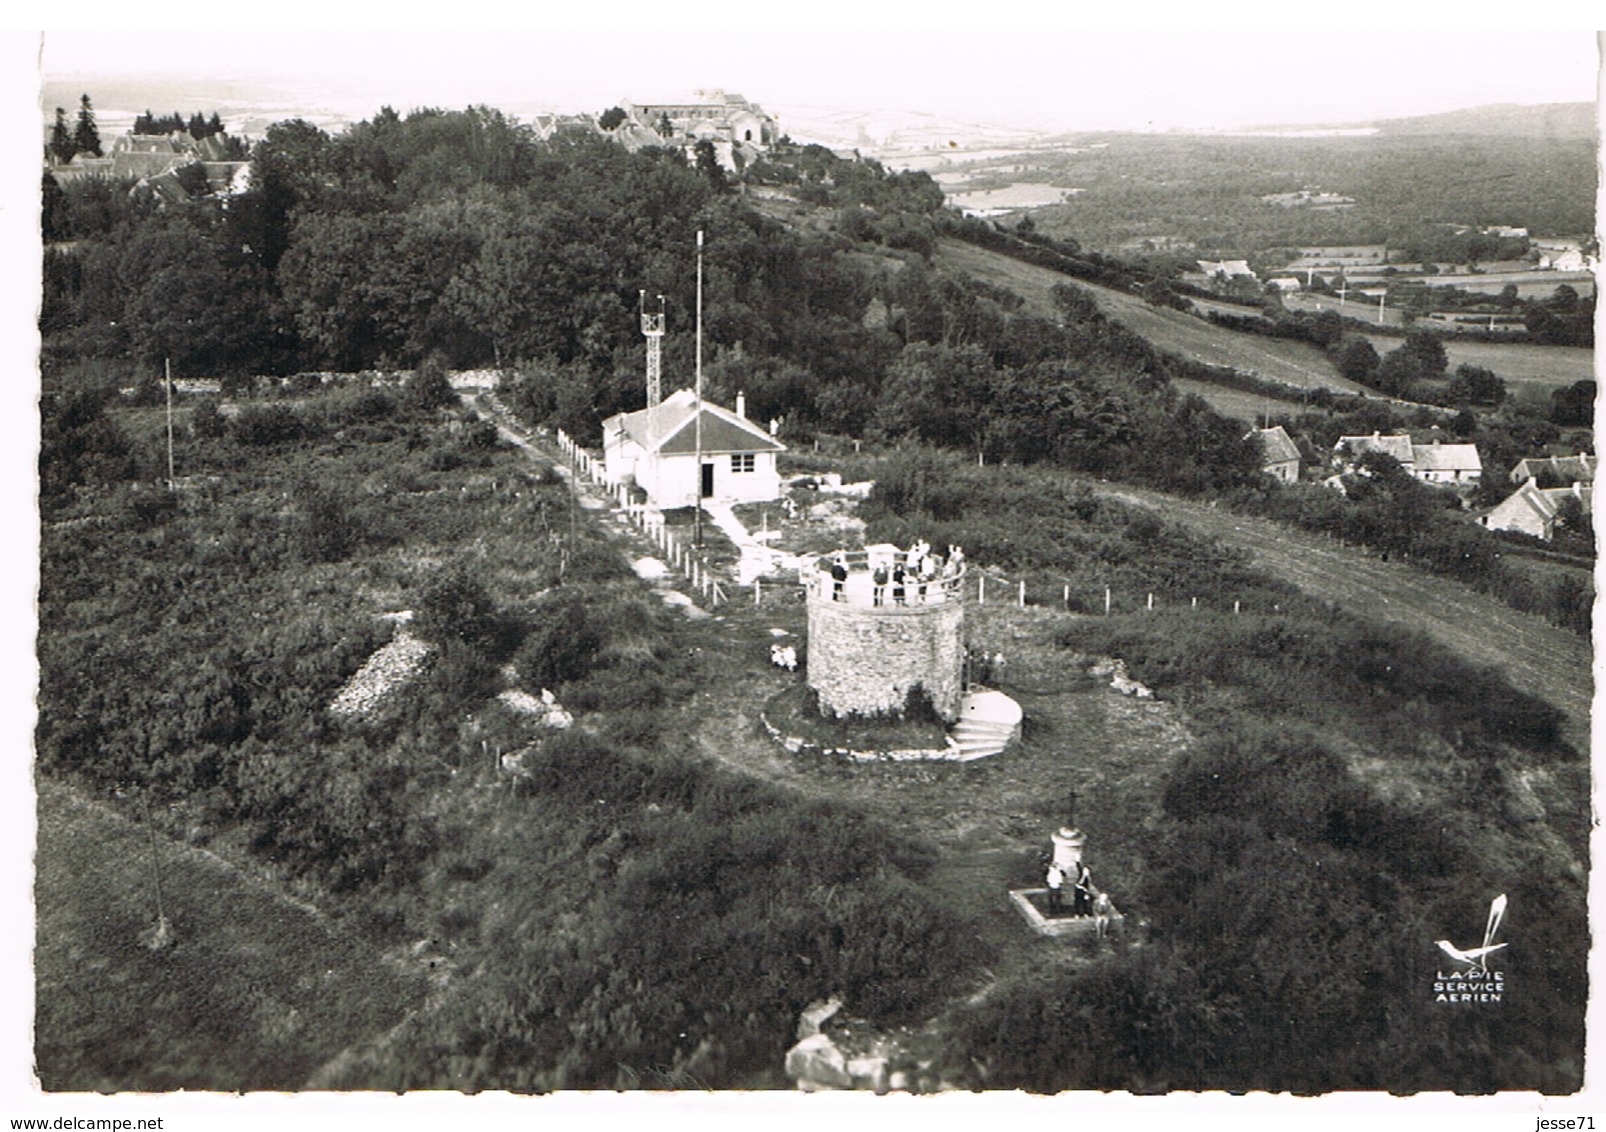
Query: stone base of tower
{"x":870,"y":660}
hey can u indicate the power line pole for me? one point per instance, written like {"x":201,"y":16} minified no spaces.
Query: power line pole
{"x":697,"y":426}
{"x":172,"y":482}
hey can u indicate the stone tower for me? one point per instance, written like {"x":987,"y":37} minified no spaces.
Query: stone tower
{"x":867,"y":652}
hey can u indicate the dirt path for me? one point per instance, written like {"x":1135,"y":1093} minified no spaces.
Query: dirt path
{"x":1536,"y":656}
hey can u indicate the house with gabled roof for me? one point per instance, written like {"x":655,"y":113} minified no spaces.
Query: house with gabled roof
{"x":1279,"y":455}
{"x":657,"y":448}
{"x":1438,"y":463}
{"x":1565,"y":469}
{"x":1533,"y":510}
{"x":1349,"y":450}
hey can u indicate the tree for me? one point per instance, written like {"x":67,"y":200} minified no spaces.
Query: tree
{"x":611,"y":118}
{"x":1474,"y":385}
{"x":1428,"y":349}
{"x":87,"y":137}
{"x":1358,"y":360}
{"x":197,"y":126}
{"x":1398,"y":369}
{"x":708,"y":165}
{"x":1574,"y":406}
{"x":53,"y":219}
{"x":457,"y":606}
{"x":429,"y":387}
{"x":62,"y":146}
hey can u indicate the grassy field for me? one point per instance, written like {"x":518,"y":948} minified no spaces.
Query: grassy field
{"x":255,"y":991}
{"x":1535,"y":656}
{"x":1237,"y":404}
{"x":1293,"y":362}
{"x":1520,"y":363}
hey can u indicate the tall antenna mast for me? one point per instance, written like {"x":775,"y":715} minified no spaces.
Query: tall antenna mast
{"x":697,"y":427}
{"x":652,"y":326}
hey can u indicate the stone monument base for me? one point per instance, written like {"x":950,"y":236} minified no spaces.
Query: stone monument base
{"x":1033,"y":906}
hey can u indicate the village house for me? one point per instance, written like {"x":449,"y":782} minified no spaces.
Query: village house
{"x":1279,"y":455}
{"x":1564,"y":470}
{"x":1226,"y":269}
{"x":1438,"y":463}
{"x":1349,"y":450}
{"x":1435,"y":463}
{"x":657,"y":449}
{"x":1534,"y":510}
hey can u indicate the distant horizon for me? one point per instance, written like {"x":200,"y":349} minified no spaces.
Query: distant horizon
{"x":1056,"y":82}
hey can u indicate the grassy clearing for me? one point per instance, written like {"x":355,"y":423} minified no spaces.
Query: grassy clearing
{"x":1293,"y":362}
{"x":255,"y":992}
{"x":1247,"y":407}
{"x":1520,"y":363}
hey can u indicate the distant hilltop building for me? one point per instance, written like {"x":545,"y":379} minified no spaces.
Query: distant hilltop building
{"x":715,"y":115}
{"x":740,"y":131}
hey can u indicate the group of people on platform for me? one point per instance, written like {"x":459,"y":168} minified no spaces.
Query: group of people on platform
{"x":916,"y":568}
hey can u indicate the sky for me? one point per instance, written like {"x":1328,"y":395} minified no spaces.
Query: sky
{"x":1038,"y":77}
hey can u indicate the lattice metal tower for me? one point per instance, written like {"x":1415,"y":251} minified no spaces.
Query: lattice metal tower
{"x":652,"y":327}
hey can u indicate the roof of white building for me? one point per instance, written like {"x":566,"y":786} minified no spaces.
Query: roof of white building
{"x":670,"y":428}
{"x":1446,"y":458}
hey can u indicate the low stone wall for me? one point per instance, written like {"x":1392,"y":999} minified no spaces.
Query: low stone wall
{"x":798,"y":746}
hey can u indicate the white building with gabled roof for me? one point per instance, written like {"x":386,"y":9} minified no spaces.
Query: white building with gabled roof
{"x":657,"y":449}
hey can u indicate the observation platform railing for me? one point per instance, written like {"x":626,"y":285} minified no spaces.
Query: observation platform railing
{"x":859,"y":589}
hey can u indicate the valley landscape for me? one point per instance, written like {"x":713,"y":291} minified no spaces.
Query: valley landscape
{"x":391,"y":738}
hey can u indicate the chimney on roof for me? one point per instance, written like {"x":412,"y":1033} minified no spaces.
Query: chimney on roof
{"x":741,"y":404}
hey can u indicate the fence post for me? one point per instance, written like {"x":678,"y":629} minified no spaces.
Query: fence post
{"x":1067,"y":598}
{"x":1023,"y":594}
{"x":1193,"y":603}
{"x":1106,"y":601}
{"x":758,"y":584}
{"x":981,"y":589}
{"x":1151,"y":601}
{"x":1235,"y":607}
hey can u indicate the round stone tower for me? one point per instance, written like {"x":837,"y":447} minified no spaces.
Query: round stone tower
{"x":872,"y":644}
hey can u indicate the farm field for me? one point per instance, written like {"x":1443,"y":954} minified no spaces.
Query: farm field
{"x":1520,"y":363}
{"x":255,"y":991}
{"x":1293,"y":362}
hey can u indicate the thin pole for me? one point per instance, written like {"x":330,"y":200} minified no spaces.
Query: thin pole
{"x":697,"y":427}
{"x":156,"y":864}
{"x":172,"y":482}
